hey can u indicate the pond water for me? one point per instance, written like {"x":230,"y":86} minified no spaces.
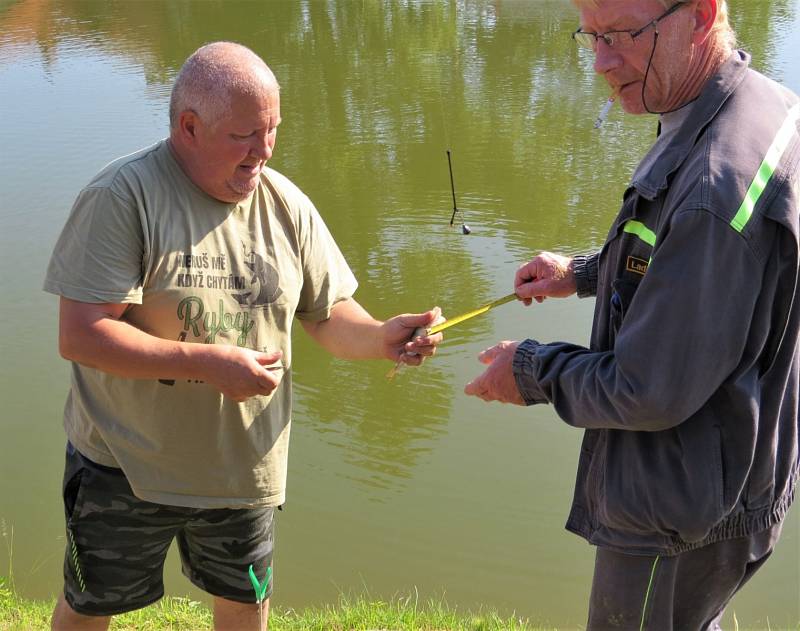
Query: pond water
{"x":395,"y":487}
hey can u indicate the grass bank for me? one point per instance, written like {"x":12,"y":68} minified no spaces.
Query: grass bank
{"x":356,"y":613}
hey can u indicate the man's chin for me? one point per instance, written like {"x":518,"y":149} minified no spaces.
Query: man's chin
{"x":632,"y":104}
{"x":242,"y":190}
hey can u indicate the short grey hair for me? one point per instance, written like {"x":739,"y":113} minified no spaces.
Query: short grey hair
{"x":212,"y":75}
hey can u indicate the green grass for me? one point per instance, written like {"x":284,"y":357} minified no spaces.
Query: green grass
{"x":350,"y":613}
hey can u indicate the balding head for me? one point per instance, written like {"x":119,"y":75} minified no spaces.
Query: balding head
{"x":213,"y":75}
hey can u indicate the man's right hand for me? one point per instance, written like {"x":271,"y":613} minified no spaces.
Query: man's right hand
{"x":547,"y":275}
{"x":241,"y":373}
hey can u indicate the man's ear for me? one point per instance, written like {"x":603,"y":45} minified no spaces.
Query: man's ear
{"x":187,"y":125}
{"x":705,"y":16}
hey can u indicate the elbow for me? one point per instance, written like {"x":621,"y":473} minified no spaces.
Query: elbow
{"x":67,"y":347}
{"x":72,"y":345}
{"x":84,"y":330}
{"x":77,"y":350}
{"x":651,"y":412}
{"x":646,"y":406}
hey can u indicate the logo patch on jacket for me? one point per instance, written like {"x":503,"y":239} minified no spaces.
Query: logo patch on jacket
{"x":636,"y":265}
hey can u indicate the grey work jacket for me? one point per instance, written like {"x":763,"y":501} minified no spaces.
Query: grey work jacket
{"x":689,"y":389}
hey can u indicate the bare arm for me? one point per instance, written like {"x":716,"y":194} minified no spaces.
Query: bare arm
{"x":352,"y":333}
{"x":95,"y":335}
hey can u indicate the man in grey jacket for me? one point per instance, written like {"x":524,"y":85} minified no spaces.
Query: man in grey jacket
{"x":688,"y":392}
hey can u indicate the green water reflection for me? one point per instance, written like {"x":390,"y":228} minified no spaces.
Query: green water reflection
{"x":393,"y":485}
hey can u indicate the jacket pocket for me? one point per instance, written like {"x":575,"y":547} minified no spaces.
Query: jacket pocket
{"x":668,"y":482}
{"x":622,"y":292}
{"x":596,"y":475}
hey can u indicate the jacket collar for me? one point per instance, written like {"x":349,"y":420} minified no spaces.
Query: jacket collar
{"x":713,"y":96}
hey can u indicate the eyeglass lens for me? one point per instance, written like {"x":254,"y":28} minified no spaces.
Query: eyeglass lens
{"x":614,"y":39}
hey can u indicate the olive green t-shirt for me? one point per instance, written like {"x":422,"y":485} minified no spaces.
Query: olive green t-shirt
{"x":194,"y":269}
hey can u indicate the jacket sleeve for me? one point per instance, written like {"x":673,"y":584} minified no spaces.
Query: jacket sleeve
{"x":684,"y":333}
{"x":585,"y":270}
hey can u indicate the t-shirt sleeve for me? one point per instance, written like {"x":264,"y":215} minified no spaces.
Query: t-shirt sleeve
{"x":99,"y":255}
{"x":327,"y":279}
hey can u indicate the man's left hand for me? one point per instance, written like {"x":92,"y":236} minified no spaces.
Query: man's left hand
{"x":397,"y":340}
{"x":497,"y":382}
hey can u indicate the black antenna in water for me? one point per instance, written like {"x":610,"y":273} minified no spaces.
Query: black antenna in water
{"x":452,"y":188}
{"x":464,"y":227}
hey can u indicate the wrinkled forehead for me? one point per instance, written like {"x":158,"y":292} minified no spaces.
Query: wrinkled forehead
{"x":252,"y":108}
{"x":264,"y":98}
{"x":618,"y":14}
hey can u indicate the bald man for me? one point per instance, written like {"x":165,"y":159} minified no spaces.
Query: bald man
{"x":179,"y":271}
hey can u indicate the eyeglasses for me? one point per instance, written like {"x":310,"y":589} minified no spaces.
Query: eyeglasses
{"x":620,"y":39}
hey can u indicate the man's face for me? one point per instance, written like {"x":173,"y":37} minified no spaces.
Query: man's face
{"x":624,"y":69}
{"x":231,"y":152}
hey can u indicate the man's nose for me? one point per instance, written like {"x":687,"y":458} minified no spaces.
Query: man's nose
{"x":262,"y":147}
{"x":605,"y":57}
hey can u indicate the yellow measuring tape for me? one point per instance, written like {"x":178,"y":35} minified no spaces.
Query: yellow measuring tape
{"x":452,"y":322}
{"x":470,"y":314}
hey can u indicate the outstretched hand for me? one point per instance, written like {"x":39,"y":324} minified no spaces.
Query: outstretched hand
{"x":400,"y":344}
{"x":497,"y":382}
{"x":547,"y":275}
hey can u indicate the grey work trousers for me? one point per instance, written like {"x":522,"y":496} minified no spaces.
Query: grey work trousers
{"x":686,"y":592}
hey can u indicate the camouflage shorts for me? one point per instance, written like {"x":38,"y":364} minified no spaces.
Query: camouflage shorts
{"x":117,"y":543}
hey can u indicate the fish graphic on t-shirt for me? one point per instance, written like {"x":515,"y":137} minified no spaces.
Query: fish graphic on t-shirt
{"x":264,"y":283}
